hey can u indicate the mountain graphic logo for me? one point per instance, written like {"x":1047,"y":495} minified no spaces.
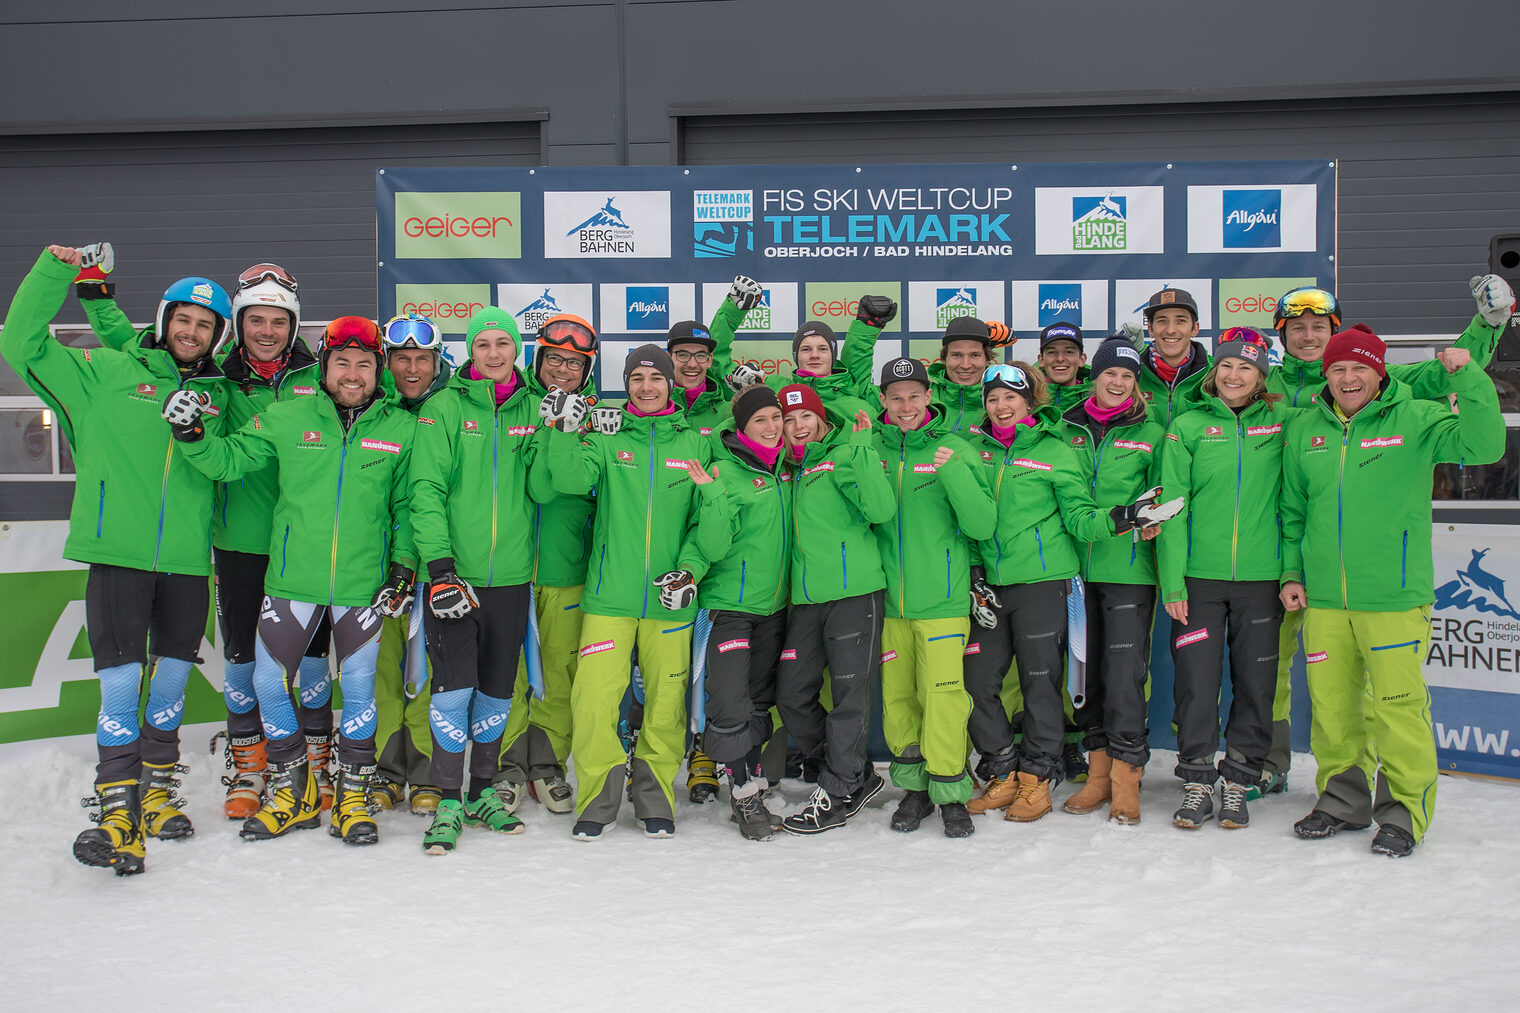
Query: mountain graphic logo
{"x":1099,"y":223}
{"x":608,"y":217}
{"x":532,"y":316}
{"x":1476,"y":588}
{"x":950,"y":303}
{"x":759,"y":316}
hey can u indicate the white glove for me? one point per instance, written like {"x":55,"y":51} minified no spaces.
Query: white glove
{"x":1145,"y":512}
{"x":1495,"y":299}
{"x":98,"y":255}
{"x":746,"y":374}
{"x":677,"y":589}
{"x":184,"y":407}
{"x":563,"y":407}
{"x":745,"y":292}
{"x":983,"y":600}
{"x":606,"y":421}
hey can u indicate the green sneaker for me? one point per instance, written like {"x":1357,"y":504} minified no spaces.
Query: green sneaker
{"x":488,"y":811}
{"x":1270,"y":784}
{"x":448,"y":821}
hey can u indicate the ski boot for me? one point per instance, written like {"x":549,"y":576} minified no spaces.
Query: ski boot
{"x":352,"y":817}
{"x":489,"y":812}
{"x":915,"y":805}
{"x":162,"y":817}
{"x":293,"y":803}
{"x":319,"y":758}
{"x":249,"y":761}
{"x":701,"y":777}
{"x":443,"y":834}
{"x":554,"y":792}
{"x":1268,"y":784}
{"x":118,"y":842}
{"x":425,"y":799}
{"x":386,"y":792}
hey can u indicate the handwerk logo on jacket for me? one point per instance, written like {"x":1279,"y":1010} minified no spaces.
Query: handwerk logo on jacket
{"x":341,"y":517}
{"x":469,"y":493}
{"x":137,"y":501}
{"x":1356,"y":497}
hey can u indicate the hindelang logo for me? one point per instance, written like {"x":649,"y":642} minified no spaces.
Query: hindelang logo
{"x":648,"y":307}
{"x":1099,"y":223}
{"x":1252,"y":219}
{"x":1060,"y":302}
{"x":532,"y":316}
{"x":759,"y":316}
{"x":458,"y":226}
{"x":950,"y":303}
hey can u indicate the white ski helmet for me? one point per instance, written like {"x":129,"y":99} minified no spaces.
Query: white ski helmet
{"x":265,"y":285}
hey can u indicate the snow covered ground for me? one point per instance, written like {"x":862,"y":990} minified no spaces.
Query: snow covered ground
{"x":1066,"y":913}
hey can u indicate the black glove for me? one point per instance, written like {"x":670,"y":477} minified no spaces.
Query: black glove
{"x":450,"y":596}
{"x":677,"y":589}
{"x":183,"y":410}
{"x":395,"y":595}
{"x":876,"y":310}
{"x":1145,"y":512}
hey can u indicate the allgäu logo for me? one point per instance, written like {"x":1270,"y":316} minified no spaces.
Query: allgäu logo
{"x":1252,"y":219}
{"x":1060,"y":302}
{"x":1476,"y":588}
{"x":648,"y":307}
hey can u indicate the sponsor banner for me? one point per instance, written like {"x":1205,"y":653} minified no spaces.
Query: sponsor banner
{"x":1038,"y":304}
{"x":1131,"y":295}
{"x":939,"y":239}
{"x":650,"y":309}
{"x":1251,"y":218}
{"x":532,"y":304}
{"x":603,"y":224}
{"x":836,"y":303}
{"x":933,"y":304}
{"x":1473,"y":660}
{"x":776,"y":312}
{"x":1099,"y":220}
{"x":1250,"y":302}
{"x":458,"y":226}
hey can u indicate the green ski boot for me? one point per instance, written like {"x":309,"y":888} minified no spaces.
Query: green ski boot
{"x":448,"y":821}
{"x":489,"y":812}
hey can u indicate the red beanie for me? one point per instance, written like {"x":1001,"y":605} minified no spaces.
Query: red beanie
{"x":800,"y":397}
{"x":1356,"y":343}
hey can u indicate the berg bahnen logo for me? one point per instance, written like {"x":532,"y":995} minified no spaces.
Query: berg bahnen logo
{"x":1099,"y":223}
{"x":532,"y":316}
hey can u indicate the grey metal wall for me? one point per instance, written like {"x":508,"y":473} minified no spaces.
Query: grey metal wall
{"x":1424,"y":180}
{"x":212,"y":202}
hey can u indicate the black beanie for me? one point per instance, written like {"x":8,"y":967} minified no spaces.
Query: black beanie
{"x":1116,"y":352}
{"x":819,"y":329}
{"x":650,"y":355}
{"x":750,"y":400}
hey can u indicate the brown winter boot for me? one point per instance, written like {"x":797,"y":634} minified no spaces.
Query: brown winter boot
{"x":1098,"y":789}
{"x":998,"y":793}
{"x":1032,"y":800}
{"x":1126,"y":807}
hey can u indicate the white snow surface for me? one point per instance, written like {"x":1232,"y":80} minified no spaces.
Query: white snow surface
{"x":1070,"y":912}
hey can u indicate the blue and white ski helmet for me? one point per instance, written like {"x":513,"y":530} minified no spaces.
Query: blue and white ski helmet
{"x":201,"y":292}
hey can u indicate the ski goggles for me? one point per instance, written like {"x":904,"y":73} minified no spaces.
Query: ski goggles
{"x":569,"y":333}
{"x":1003,"y":375}
{"x":1315,"y":301}
{"x":346,"y":332}
{"x":413,"y":331}
{"x":259,"y":273}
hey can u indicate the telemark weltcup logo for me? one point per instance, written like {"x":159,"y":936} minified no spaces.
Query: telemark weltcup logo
{"x":794,"y":397}
{"x":902,"y":368}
